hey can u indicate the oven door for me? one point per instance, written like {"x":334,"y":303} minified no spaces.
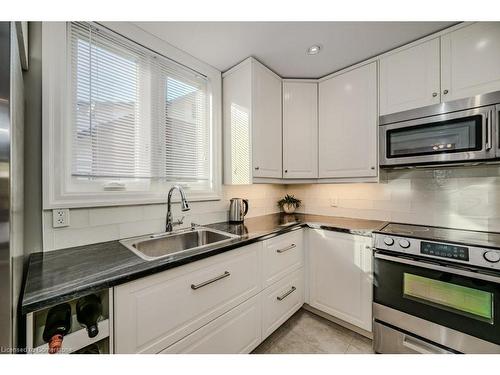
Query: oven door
{"x":458,"y":137}
{"x":456,"y":298}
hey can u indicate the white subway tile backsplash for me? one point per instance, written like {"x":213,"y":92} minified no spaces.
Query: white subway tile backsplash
{"x":79,"y":218}
{"x":140,"y":228}
{"x":115,"y":215}
{"x":90,"y":225}
{"x":69,"y":237}
{"x":467,"y":198}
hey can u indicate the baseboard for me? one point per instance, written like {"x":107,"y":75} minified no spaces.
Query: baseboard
{"x":338,"y":321}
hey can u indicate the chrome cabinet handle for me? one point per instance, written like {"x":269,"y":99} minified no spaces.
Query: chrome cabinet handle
{"x":434,"y":94}
{"x":217,"y":278}
{"x":292,"y":246}
{"x":283,"y":296}
{"x":445,"y":92}
{"x":257,"y":168}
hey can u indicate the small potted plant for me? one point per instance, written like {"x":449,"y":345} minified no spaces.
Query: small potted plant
{"x":289,"y":203}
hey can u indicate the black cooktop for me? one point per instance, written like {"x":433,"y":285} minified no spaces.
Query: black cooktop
{"x":462,"y":236}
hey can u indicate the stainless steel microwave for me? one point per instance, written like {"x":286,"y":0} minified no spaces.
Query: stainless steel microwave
{"x":463,"y":131}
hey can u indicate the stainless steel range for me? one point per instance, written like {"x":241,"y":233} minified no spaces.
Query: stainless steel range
{"x":436,"y":290}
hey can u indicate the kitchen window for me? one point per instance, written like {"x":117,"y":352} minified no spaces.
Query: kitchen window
{"x":136,"y":122}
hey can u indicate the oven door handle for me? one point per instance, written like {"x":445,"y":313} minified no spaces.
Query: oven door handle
{"x":436,"y":267}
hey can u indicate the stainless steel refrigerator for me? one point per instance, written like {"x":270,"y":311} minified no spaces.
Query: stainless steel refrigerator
{"x":11,"y":183}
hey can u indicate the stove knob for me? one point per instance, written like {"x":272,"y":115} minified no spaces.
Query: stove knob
{"x":405,"y":244}
{"x":492,"y":256}
{"x":388,"y":241}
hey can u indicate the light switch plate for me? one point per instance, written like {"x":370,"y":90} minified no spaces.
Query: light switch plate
{"x":60,"y":218}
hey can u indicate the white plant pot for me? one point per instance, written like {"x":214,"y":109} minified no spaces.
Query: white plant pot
{"x":289,"y":208}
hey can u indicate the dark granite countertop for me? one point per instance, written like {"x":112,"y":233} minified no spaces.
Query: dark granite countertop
{"x":56,"y":276}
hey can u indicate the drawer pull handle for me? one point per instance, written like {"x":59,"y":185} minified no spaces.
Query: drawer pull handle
{"x":283,"y":296}
{"x":292,"y":246}
{"x":216,"y":278}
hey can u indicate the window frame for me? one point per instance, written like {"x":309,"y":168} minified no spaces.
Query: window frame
{"x":56,"y":108}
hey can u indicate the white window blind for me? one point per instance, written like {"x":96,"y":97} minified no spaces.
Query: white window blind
{"x":136,"y":115}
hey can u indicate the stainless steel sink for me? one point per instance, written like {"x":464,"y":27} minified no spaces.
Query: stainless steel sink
{"x":175,"y":243}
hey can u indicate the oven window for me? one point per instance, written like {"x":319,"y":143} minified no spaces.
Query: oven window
{"x":457,"y":135}
{"x":473,"y":303}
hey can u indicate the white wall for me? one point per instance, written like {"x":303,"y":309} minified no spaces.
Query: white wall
{"x":461,"y":197}
{"x":91,"y":225}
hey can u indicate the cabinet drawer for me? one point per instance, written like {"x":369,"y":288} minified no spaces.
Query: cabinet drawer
{"x":155,"y":312}
{"x":237,"y":331}
{"x":281,"y":300}
{"x":281,"y":255}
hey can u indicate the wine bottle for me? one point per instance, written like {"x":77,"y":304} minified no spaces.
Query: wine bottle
{"x":57,"y":324}
{"x":88,"y":311}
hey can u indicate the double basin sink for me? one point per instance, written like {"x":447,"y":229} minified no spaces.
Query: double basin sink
{"x":176,"y":243}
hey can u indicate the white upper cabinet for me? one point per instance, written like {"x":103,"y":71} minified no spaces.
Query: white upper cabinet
{"x":266,"y":134}
{"x":252,"y":123}
{"x":460,"y":64}
{"x":236,"y":119}
{"x":410,"y":78}
{"x":300,"y":129}
{"x":471,"y":61}
{"x":348,"y":124}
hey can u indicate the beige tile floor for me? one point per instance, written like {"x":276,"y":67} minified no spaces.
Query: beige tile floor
{"x":307,"y":333}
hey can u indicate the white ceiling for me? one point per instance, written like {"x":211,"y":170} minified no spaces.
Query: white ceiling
{"x":282,"y":45}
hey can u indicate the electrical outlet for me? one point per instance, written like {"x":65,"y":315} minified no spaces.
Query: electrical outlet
{"x":334,"y":202}
{"x":60,"y":218}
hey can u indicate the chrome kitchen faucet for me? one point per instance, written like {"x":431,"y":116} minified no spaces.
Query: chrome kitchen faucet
{"x":184,"y":207}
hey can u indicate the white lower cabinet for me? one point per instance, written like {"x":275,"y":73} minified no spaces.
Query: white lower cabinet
{"x":236,"y":332}
{"x":281,"y":300}
{"x":231,"y":302}
{"x":340,"y":276}
{"x":154,"y":312}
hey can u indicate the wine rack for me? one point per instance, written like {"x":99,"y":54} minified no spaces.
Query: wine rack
{"x":77,"y":338}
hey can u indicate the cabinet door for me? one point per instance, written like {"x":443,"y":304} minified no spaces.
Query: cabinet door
{"x":348,"y":124}
{"x":236,"y":109}
{"x":266,"y":123}
{"x":410,"y":78}
{"x":300,"y":130}
{"x":470,"y":61}
{"x":340,"y":276}
{"x":236,"y":332}
{"x":154,"y":312}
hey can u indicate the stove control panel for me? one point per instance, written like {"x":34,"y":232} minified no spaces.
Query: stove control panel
{"x":441,"y":251}
{"x":444,"y":250}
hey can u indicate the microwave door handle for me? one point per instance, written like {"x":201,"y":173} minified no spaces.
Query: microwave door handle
{"x":488,"y":119}
{"x":435,"y":267}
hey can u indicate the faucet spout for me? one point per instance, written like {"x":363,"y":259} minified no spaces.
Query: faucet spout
{"x":184,"y":206}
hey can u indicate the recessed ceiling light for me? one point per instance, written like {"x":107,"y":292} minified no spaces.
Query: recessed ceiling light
{"x":314,"y":49}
